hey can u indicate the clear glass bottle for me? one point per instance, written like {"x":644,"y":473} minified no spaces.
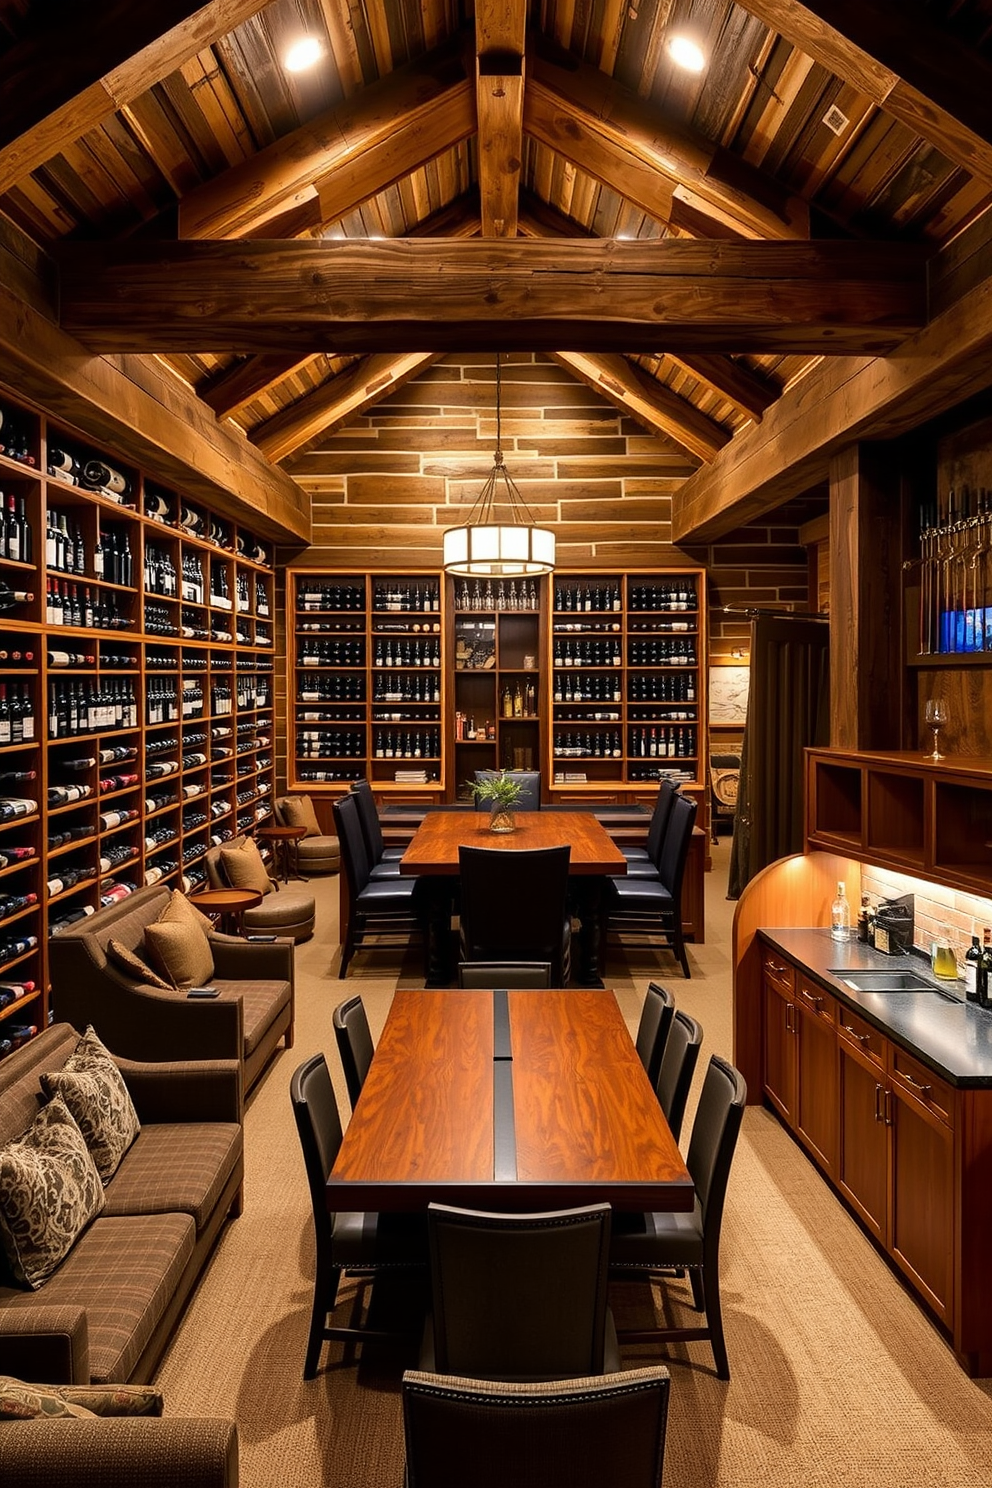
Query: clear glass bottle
{"x":840,"y":915}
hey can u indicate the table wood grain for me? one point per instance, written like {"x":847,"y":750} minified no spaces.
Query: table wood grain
{"x":435,"y":844}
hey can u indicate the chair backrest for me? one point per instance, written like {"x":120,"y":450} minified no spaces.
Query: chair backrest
{"x":664,"y":802}
{"x":369,"y":818}
{"x":529,"y":974}
{"x":354,"y":854}
{"x":675,"y":845}
{"x":530,"y":799}
{"x":678,"y":1065}
{"x":355,"y":1046}
{"x":585,"y":1433}
{"x":519,"y":1296}
{"x":715,"y":1130}
{"x":513,"y":903}
{"x":657,"y":1012}
{"x":319,"y":1126}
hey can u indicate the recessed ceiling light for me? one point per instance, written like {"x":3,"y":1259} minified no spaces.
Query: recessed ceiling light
{"x":303,"y":54}
{"x":686,"y":53}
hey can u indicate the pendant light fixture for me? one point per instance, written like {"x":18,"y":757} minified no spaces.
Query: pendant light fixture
{"x":486,"y":547}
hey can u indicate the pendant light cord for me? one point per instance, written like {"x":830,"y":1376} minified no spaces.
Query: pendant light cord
{"x":499,"y":413}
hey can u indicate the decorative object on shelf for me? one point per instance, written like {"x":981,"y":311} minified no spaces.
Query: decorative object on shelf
{"x":489,"y":548}
{"x":936,"y":717}
{"x":503,"y":794}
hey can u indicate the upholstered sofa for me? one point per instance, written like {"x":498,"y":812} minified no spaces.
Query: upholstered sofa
{"x":286,"y":909}
{"x":137,"y":1020}
{"x":119,"y":1453}
{"x":107,"y":1309}
{"x":318,"y":852}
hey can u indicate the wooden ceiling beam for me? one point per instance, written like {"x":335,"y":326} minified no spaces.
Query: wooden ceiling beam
{"x":71,"y":70}
{"x":445,"y":295}
{"x":910,"y":66}
{"x":610,"y":133}
{"x":343,"y":397}
{"x":347,"y":154}
{"x":500,"y":37}
{"x":227,"y":392}
{"x":650,"y":402}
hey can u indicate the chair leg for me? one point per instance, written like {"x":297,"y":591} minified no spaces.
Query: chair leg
{"x":696,"y":1282}
{"x":709,"y":1285}
{"x":325,"y":1294}
{"x":348,"y":949}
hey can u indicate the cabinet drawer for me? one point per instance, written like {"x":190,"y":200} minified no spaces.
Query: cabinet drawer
{"x":780,"y":973}
{"x":929,"y":1089}
{"x":854,"y":1030}
{"x":816,"y":1000}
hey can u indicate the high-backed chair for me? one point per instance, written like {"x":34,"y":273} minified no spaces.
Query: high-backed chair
{"x":513,"y":906}
{"x":364,"y":1243}
{"x":585,"y":1433}
{"x":519,"y":1296}
{"x":649,"y":907}
{"x":528,"y":974}
{"x":643,"y":861}
{"x":530,"y":780}
{"x":384,"y":860}
{"x":318,"y":852}
{"x":355,"y":1046}
{"x":677,"y":1067}
{"x":657,"y":1012}
{"x":376,"y":906}
{"x":649,"y":1242}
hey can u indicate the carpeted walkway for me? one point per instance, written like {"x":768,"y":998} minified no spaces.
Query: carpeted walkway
{"x":837,"y":1376}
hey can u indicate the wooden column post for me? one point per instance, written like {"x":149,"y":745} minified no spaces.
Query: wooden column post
{"x":866,"y":683}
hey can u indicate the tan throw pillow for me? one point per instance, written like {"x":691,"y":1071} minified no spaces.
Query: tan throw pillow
{"x":180,"y":911}
{"x":93,"y":1088}
{"x":243,"y":866}
{"x":49,"y":1191}
{"x":129,"y":961}
{"x":299,"y":812}
{"x":177,"y":943}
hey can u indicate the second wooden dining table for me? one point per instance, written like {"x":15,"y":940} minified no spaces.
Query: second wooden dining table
{"x":433,"y":855}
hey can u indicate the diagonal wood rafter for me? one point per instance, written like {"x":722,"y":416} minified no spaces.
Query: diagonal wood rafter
{"x":500,"y":36}
{"x":344,"y":397}
{"x":913,"y":68}
{"x":73,"y":70}
{"x":347,"y":154}
{"x":648,"y":401}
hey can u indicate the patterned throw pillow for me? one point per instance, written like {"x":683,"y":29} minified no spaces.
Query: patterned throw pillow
{"x":299,"y":812}
{"x":93,"y":1088}
{"x":243,"y":866}
{"x":129,"y":961}
{"x":23,"y":1402}
{"x":177,"y":943}
{"x":49,"y":1191}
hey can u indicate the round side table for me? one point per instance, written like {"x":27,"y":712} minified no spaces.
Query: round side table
{"x":228,"y":905}
{"x":285,"y":843}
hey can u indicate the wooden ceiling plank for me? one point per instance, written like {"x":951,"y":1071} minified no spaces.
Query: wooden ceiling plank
{"x":606,"y":130}
{"x":650,"y":402}
{"x":59,"y":81}
{"x":344,"y":397}
{"x":525,"y":294}
{"x":384,"y":122}
{"x":909,"y":65}
{"x":500,"y":37}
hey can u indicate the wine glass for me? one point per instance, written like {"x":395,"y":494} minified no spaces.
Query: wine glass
{"x":936,"y":717}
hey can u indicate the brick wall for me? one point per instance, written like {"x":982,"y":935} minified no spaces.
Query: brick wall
{"x":937,"y":910}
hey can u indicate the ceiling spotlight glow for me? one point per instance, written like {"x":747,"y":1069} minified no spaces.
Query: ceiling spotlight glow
{"x":686,"y":53}
{"x":303,"y":54}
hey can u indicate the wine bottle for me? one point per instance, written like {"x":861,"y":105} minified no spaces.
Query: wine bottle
{"x":11,"y":597}
{"x":983,"y":979}
{"x":972,"y":957}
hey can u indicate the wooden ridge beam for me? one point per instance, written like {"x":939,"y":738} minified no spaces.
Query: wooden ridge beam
{"x":345,"y":155}
{"x":443,"y":295}
{"x":610,"y":133}
{"x":72,"y":70}
{"x":500,"y":37}
{"x":341,"y":398}
{"x":650,"y":402}
{"x":913,"y":68}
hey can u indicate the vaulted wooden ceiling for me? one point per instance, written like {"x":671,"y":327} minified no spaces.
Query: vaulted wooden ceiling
{"x":761,"y":194}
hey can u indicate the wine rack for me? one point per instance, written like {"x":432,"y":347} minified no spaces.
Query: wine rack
{"x":136,"y":691}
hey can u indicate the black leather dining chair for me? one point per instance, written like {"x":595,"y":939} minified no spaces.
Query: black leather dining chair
{"x":362,"y":1243}
{"x":513,"y":906}
{"x":659,"y":1242}
{"x":383,"y":860}
{"x":657,"y":1012}
{"x":529,"y":780}
{"x":677,"y":1067}
{"x":586,"y":1433}
{"x":355,"y":1046}
{"x":642,"y":862}
{"x":650,"y":907}
{"x":485,"y":974}
{"x":391,"y":906}
{"x":519,"y":1296}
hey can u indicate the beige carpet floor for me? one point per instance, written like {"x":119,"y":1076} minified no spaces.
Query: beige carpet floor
{"x":838,"y":1378}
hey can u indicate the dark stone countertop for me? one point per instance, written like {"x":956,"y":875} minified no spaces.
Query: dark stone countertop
{"x":951,"y":1036}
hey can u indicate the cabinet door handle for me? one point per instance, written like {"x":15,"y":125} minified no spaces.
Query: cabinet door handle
{"x":816,"y":1001}
{"x":878,"y":1102}
{"x":923,"y":1089}
{"x":862,"y":1038}
{"x":888,"y":1107}
{"x":790,"y":1017}
{"x":773,"y":966}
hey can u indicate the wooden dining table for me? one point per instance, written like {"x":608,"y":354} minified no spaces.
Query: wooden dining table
{"x":507,"y":1101}
{"x":433,"y":855}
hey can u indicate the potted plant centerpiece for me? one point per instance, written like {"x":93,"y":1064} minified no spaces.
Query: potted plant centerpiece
{"x":503,"y":794}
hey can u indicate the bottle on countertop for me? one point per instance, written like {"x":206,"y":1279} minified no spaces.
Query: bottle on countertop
{"x":972,"y":956}
{"x":983,"y":976}
{"x":840,"y":915}
{"x":863,"y":917}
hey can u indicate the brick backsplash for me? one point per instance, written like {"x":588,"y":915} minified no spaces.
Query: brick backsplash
{"x":937,"y":910}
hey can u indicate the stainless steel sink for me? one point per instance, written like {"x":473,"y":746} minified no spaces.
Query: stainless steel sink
{"x":884,"y":981}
